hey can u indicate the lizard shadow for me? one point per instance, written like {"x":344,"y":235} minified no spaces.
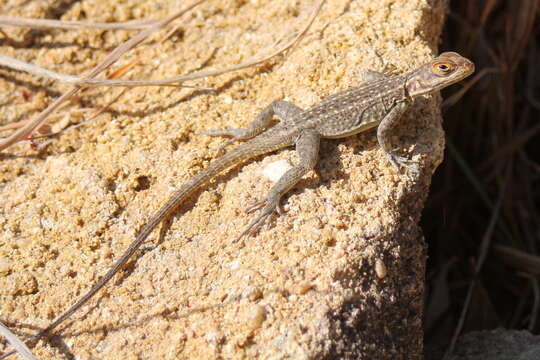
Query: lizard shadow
{"x":330,"y":150}
{"x":331,"y":164}
{"x":330,"y":161}
{"x":187,"y":205}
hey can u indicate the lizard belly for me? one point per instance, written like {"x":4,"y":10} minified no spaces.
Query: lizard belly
{"x":361,"y":128}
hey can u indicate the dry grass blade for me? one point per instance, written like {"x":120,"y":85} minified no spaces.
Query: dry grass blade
{"x":484,"y":246}
{"x":516,"y":144}
{"x":452,"y":100}
{"x":487,"y":10}
{"x":123,"y":69}
{"x":16,"y":64}
{"x":519,"y":259}
{"x":536,"y":304}
{"x":283,"y":44}
{"x":21,"y":348}
{"x":47,"y":24}
{"x":494,"y":126}
{"x":104,"y":64}
{"x":521,"y":31}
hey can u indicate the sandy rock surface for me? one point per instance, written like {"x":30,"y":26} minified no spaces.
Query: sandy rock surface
{"x":339,"y":275}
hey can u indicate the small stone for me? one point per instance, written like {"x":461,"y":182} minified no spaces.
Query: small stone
{"x":257,"y":317}
{"x":304,"y":288}
{"x":5,"y":265}
{"x":380,"y":269}
{"x":276,"y":170}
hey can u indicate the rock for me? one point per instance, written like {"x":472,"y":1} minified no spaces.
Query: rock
{"x":498,"y":344}
{"x":339,"y":275}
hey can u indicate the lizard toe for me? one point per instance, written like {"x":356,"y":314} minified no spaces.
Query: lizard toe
{"x":235,"y":134}
{"x":256,"y":206}
{"x":270,"y":206}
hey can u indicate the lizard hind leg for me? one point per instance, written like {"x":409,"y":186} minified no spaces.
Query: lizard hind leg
{"x":307,"y":146}
{"x":282,"y":109}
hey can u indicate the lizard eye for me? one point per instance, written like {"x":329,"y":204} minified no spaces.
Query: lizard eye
{"x":443,"y":68}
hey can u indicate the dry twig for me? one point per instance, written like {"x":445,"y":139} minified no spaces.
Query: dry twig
{"x":19,"y":346}
{"x":16,"y":64}
{"x":482,"y":253}
{"x":47,"y":24}
{"x":284,"y":43}
{"x":104,"y":64}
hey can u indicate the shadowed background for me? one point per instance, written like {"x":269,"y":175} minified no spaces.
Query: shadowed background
{"x":482,"y":219}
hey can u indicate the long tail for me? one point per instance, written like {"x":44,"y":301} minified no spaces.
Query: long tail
{"x":234,"y":157}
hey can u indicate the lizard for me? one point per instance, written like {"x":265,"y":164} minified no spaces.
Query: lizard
{"x":378,"y":102}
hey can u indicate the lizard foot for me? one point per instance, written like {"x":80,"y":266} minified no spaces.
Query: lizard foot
{"x":269,"y":206}
{"x":399,"y":162}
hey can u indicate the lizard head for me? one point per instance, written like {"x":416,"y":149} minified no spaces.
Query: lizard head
{"x":446,"y":69}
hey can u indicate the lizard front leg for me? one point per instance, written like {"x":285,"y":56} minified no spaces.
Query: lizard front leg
{"x":307,"y":146}
{"x":284,"y":110}
{"x":384,"y":140}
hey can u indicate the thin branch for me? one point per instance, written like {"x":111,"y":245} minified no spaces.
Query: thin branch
{"x":20,"y":124}
{"x":536,"y":300}
{"x":16,"y":64}
{"x":19,"y":346}
{"x":104,"y":64}
{"x":47,"y":24}
{"x":451,"y":100}
{"x":484,"y":247}
{"x":284,"y":43}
